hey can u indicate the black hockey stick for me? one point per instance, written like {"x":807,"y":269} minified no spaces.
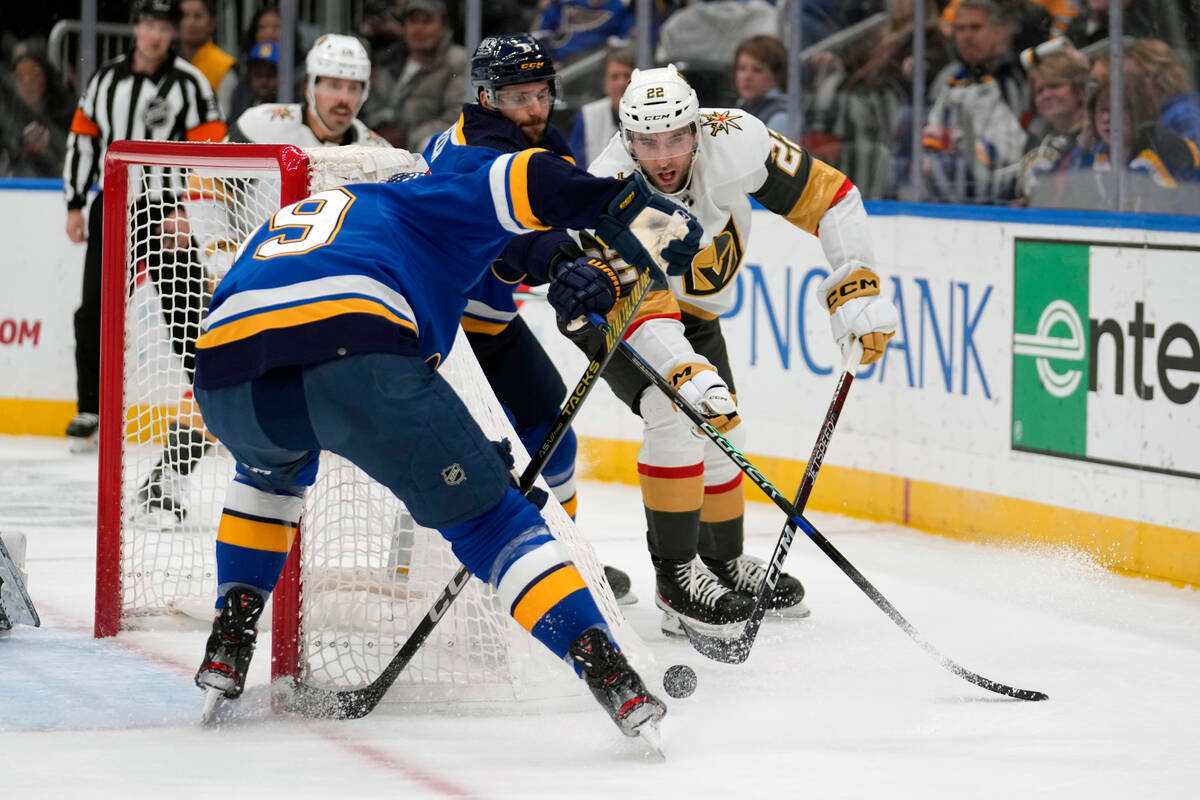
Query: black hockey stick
{"x":356,"y":703}
{"x":723,"y":650}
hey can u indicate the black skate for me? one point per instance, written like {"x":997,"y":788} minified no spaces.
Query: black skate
{"x":745,"y":574}
{"x":687,"y":592}
{"x":82,"y":432}
{"x":155,"y":494}
{"x":618,"y":581}
{"x":615,"y":684}
{"x":231,"y":643}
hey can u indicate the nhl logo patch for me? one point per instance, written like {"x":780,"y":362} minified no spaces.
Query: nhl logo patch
{"x":158,"y":113}
{"x":453,"y":475}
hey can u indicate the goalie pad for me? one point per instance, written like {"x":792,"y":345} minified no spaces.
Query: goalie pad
{"x":15,"y":605}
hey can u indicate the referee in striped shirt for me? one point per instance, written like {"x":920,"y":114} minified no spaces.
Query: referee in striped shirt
{"x":147,"y":93}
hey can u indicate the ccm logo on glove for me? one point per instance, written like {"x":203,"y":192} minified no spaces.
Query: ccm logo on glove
{"x":859,"y":283}
{"x":857,"y":311}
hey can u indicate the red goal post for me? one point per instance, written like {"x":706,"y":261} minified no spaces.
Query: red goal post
{"x":290,"y":164}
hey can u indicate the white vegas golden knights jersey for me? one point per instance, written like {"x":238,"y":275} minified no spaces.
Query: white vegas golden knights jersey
{"x":740,"y":158}
{"x":283,"y":123}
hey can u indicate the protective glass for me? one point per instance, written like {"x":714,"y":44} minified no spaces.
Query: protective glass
{"x":662,"y":145}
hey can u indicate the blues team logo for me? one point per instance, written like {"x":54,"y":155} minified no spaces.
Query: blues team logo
{"x":720,"y":122}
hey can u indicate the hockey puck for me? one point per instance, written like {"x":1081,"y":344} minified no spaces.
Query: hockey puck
{"x":679,"y":681}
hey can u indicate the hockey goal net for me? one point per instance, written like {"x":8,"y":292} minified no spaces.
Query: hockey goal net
{"x":362,"y":573}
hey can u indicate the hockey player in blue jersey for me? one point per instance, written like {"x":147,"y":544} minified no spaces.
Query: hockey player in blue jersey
{"x":515,"y":87}
{"x":363,"y":286}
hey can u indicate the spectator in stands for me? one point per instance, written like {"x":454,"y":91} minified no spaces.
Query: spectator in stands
{"x":1158,"y":160}
{"x":1034,"y":21}
{"x":576,"y":27}
{"x":1170,"y":84}
{"x":858,"y":113}
{"x":196,"y":29}
{"x":34,"y":114}
{"x":760,"y":77}
{"x":383,"y":31}
{"x":974,"y":127}
{"x":597,"y":121}
{"x":1143,"y":18}
{"x":263,"y":27}
{"x":260,"y":84}
{"x":432,"y":86}
{"x":1058,"y":82}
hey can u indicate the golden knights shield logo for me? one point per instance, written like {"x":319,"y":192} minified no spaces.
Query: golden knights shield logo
{"x":714,"y":267}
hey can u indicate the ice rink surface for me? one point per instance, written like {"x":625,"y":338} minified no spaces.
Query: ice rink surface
{"x":841,"y":705}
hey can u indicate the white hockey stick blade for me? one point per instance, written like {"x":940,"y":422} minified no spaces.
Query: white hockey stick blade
{"x":15,"y":604}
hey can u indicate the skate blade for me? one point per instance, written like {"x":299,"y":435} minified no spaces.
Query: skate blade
{"x":650,"y":733}
{"x":79,"y":445}
{"x":627,"y":599}
{"x":672,"y":625}
{"x":214,"y":698}
{"x":798,"y":611}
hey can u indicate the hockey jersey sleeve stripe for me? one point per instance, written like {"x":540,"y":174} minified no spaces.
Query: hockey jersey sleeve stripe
{"x":657,"y":305}
{"x":457,"y":135}
{"x":211,"y":131}
{"x":294,"y":316}
{"x":82,"y":125}
{"x":518,"y":180}
{"x":498,"y":183}
{"x":481,"y":310}
{"x":472,"y":325}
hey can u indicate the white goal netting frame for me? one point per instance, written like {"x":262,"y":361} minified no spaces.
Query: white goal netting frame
{"x":361,"y":574}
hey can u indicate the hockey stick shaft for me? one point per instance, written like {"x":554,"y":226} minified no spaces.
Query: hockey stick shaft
{"x":738,"y":650}
{"x":356,"y":703}
{"x":714,"y":647}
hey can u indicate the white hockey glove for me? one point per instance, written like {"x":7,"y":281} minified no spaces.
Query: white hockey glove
{"x":649,"y":230}
{"x":700,"y":385}
{"x":858,"y":311}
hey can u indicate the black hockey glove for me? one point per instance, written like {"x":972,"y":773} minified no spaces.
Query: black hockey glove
{"x":583,"y":286}
{"x":641,"y":226}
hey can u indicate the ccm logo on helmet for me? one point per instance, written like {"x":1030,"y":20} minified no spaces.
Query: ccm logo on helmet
{"x":652,"y":117}
{"x":533,"y":65}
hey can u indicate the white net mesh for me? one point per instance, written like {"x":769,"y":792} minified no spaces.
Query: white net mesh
{"x":368,"y":573}
{"x":184,"y":224}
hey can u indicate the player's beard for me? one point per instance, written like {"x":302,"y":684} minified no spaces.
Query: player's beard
{"x":535,"y":131}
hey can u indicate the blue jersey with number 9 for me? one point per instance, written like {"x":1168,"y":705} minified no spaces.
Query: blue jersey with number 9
{"x":383,"y":267}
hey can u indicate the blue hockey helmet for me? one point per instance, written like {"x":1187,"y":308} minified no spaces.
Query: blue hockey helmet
{"x":511,"y":59}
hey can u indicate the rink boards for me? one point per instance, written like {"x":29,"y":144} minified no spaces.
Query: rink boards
{"x":1042,"y":387}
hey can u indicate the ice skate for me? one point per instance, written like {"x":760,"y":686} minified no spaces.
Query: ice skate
{"x":82,"y":432}
{"x":231,"y":644}
{"x":688,"y":592}
{"x":745,"y":574}
{"x":159,"y":493}
{"x":617,"y":687}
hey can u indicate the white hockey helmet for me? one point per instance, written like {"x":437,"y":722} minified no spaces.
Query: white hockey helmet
{"x":658,"y":100}
{"x":338,"y":56}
